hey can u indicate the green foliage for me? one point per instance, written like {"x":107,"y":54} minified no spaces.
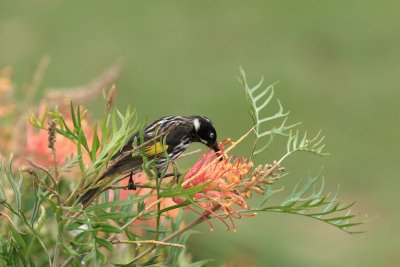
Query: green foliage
{"x":314,"y":145}
{"x":16,"y":184}
{"x":310,"y":200}
{"x":259,"y":99}
{"x":317,"y":205}
{"x":44,"y":226}
{"x":17,"y":228}
{"x":114,"y":136}
{"x":296,"y":143}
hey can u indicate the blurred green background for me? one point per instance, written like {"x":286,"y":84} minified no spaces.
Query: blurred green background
{"x":338,"y":63}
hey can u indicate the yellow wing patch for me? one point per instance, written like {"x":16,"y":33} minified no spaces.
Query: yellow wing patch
{"x":155,"y":149}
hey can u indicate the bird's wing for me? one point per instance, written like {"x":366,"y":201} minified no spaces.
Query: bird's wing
{"x":123,"y":161}
{"x":154,"y":134}
{"x":152,"y":131}
{"x":123,"y":164}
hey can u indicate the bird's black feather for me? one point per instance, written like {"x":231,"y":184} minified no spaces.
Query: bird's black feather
{"x":175,"y":133}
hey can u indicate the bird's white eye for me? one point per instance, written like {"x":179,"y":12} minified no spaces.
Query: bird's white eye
{"x":211,"y":135}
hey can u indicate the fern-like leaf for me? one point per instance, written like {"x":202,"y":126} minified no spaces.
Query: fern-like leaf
{"x":259,"y":99}
{"x":297,"y":142}
{"x":307,"y":200}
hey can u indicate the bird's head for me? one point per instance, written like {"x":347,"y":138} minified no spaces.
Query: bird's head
{"x":205,"y":132}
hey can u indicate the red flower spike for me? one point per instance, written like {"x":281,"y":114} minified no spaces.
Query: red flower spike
{"x":224,"y":177}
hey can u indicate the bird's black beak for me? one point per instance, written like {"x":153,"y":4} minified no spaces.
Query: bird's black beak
{"x":215,"y":147}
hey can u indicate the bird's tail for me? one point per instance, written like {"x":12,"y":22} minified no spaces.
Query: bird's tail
{"x":108,"y":175}
{"x":91,"y":193}
{"x":88,"y":196}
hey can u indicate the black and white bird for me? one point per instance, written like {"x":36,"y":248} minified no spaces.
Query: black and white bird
{"x":166,"y":136}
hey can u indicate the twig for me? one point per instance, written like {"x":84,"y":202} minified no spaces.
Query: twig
{"x":142,"y":213}
{"x":113,"y":236}
{"x":11,"y":222}
{"x":42,"y":168}
{"x":126,"y":187}
{"x":55,"y":185}
{"x":38,"y":181}
{"x":149,"y":242}
{"x":199,"y":220}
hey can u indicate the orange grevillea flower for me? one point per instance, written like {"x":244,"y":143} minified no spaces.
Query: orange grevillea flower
{"x":224,"y":179}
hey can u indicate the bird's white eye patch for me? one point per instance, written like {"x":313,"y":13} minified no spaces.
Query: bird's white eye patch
{"x":211,"y":135}
{"x":196,"y":123}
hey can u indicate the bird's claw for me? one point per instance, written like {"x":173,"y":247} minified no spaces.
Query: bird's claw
{"x":131,"y":183}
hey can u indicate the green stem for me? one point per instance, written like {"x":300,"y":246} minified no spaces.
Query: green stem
{"x":150,"y":242}
{"x":199,"y":220}
{"x":171,"y":236}
{"x":158,"y":209}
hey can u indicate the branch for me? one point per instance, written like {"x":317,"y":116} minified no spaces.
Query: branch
{"x":42,"y":168}
{"x":140,"y":242}
{"x":202,"y":218}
